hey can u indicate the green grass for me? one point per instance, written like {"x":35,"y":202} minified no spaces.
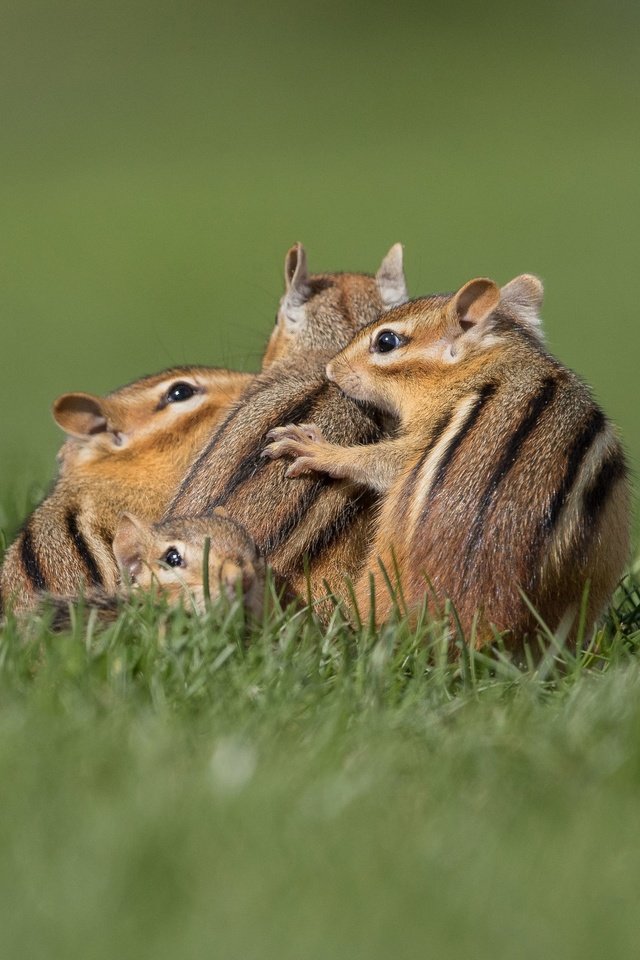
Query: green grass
{"x":175,"y":786}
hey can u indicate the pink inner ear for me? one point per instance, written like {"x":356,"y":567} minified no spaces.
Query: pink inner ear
{"x":291,"y":264}
{"x":475,"y":301}
{"x":79,"y":414}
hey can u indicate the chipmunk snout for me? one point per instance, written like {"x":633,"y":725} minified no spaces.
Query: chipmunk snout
{"x":235,"y":571}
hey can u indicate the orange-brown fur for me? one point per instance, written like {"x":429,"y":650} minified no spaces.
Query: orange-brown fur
{"x":329,"y":523}
{"x":126,"y":451}
{"x":504,"y":477}
{"x":144,"y":550}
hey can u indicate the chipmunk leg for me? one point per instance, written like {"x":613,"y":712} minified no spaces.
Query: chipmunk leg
{"x":307,"y":445}
{"x":373,"y":465}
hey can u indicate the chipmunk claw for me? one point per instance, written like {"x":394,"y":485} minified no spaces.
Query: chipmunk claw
{"x":300,"y":466}
{"x":302,"y":432}
{"x":295,"y":440}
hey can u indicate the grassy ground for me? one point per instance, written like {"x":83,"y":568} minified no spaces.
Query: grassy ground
{"x":171,"y":787}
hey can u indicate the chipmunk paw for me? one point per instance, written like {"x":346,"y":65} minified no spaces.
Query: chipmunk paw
{"x":300,"y":466}
{"x":294,"y":440}
{"x":297,"y":431}
{"x":304,"y":442}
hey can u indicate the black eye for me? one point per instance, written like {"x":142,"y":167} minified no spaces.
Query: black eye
{"x":387,"y":340}
{"x":172,"y":558}
{"x":180,"y":391}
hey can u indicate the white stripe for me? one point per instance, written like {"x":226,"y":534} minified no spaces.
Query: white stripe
{"x":431,"y":464}
{"x":571,"y":514}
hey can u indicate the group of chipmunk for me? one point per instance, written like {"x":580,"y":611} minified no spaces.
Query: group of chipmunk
{"x":391,"y":452}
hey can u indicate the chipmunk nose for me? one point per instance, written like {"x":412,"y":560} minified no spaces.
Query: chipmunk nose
{"x":233,"y":571}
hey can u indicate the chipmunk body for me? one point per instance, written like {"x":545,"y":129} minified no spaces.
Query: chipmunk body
{"x":505,"y":476}
{"x":169,"y":557}
{"x":126,"y":451}
{"x":325,"y":522}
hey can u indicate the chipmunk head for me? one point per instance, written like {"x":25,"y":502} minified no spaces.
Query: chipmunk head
{"x":323,"y":311}
{"x":429,"y":337}
{"x":184,"y":398}
{"x":170,"y":557}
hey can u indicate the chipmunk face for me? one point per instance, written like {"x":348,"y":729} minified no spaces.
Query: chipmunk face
{"x":311,"y":314}
{"x":169,"y":557}
{"x":430,"y":337}
{"x":183,"y":398}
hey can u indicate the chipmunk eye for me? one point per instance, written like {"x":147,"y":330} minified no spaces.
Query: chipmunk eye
{"x":172,"y":558}
{"x":180,"y":391}
{"x":387,"y":340}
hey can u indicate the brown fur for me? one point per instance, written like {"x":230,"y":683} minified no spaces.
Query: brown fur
{"x":505,"y":475}
{"x":327,"y":522}
{"x":142,"y":549}
{"x":126,"y":451}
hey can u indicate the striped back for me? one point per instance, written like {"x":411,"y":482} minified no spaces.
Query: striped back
{"x":289,"y":519}
{"x":518,"y":488}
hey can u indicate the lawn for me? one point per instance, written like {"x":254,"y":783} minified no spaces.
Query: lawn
{"x":175,"y":786}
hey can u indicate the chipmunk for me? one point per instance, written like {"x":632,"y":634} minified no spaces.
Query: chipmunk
{"x":169,"y":557}
{"x":505,"y":477}
{"x":126,"y":451}
{"x":325,"y":522}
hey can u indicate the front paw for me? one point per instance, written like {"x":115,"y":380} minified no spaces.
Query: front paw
{"x":301,"y":432}
{"x":302,"y":441}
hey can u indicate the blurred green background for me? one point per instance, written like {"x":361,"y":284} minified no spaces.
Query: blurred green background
{"x":159,"y":159}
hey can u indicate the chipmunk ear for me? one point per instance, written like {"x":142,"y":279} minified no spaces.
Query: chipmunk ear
{"x":80,"y":414}
{"x":296,"y":280}
{"x":524,"y":296}
{"x":474,"y":302}
{"x":390,"y":278}
{"x":130,"y":544}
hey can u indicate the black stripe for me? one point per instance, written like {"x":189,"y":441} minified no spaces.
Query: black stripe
{"x":239,"y":407}
{"x":81,"y":545}
{"x":483,"y":396}
{"x":278,"y":537}
{"x":30,"y":561}
{"x":595,"y":496}
{"x":288,"y":527}
{"x":576,"y":453}
{"x":536,"y":407}
{"x":255,"y":462}
{"x":328,"y":535}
